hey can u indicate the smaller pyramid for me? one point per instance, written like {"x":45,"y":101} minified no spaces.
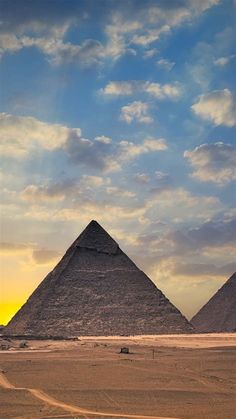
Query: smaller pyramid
{"x":219,"y":314}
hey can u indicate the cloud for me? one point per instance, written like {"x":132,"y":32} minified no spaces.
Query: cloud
{"x":160,"y":175}
{"x":150,"y":36}
{"x":150,"y":53}
{"x":37,"y":255}
{"x":38,"y":18}
{"x":103,"y":212}
{"x":45,"y":28}
{"x":59,"y":191}
{"x":204,"y":251}
{"x":97,"y":154}
{"x":21,"y":134}
{"x":206,"y":269}
{"x":119,"y":88}
{"x":155,"y":90}
{"x":13,"y":248}
{"x":223,"y":61}
{"x":208,"y":235}
{"x":110,"y":157}
{"x":213,"y":162}
{"x":89,"y":181}
{"x":178,"y":205}
{"x":165,"y":64}
{"x":119,"y":192}
{"x":103,"y":139}
{"x":149,"y":22}
{"x":136,"y":111}
{"x":163,"y":182}
{"x":218,"y":106}
{"x":120,"y":35}
{"x":86,"y":54}
{"x":44,"y":256}
{"x":51,"y":192}
{"x":129,"y":150}
{"x":142,"y":178}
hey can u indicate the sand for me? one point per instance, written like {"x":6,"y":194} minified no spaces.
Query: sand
{"x":167,"y":376}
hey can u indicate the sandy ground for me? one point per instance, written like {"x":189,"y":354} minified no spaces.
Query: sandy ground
{"x":167,"y":376}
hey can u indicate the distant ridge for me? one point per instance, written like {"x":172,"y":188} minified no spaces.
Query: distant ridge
{"x":219,"y":314}
{"x":96,"y":290}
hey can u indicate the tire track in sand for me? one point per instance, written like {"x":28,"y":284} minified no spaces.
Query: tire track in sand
{"x":41,"y":395}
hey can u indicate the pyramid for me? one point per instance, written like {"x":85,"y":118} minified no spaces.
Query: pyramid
{"x":219,"y":314}
{"x":96,"y":290}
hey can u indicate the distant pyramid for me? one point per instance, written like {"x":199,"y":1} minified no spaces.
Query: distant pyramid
{"x":96,"y":290}
{"x":219,"y":314}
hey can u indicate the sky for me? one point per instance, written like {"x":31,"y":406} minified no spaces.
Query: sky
{"x":123,"y":112}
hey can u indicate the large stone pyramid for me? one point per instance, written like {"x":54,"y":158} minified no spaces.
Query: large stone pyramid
{"x":219,"y":314}
{"x":96,"y":290}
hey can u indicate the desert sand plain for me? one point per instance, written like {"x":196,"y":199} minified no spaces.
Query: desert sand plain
{"x":171,"y":376}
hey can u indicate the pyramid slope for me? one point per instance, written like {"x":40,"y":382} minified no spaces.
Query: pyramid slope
{"x":219,"y":314}
{"x":96,"y":290}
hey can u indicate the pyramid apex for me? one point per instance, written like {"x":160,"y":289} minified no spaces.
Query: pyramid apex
{"x":93,"y":222}
{"x":95,"y":237}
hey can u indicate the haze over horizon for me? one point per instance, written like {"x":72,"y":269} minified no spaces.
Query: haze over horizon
{"x":122,"y":112}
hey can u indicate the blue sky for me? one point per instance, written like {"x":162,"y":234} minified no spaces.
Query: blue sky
{"x":123,"y":112}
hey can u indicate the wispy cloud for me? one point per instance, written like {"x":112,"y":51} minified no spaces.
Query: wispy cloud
{"x":223,"y":61}
{"x":165,"y":64}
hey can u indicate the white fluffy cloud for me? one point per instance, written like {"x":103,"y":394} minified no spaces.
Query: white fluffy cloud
{"x":129,"y":150}
{"x":213,"y":162}
{"x":21,"y":134}
{"x":110,"y":157}
{"x":218,"y":106}
{"x":136,"y":111}
{"x":47,"y":31}
{"x":149,"y":22}
{"x":156,"y":90}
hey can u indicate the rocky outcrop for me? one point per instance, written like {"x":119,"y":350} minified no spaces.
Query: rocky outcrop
{"x":96,"y":290}
{"x":219,"y":314}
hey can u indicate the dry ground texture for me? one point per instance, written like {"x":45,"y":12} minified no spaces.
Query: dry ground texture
{"x":180,"y":376}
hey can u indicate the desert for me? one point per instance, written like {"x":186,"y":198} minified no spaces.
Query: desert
{"x":165,"y":376}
